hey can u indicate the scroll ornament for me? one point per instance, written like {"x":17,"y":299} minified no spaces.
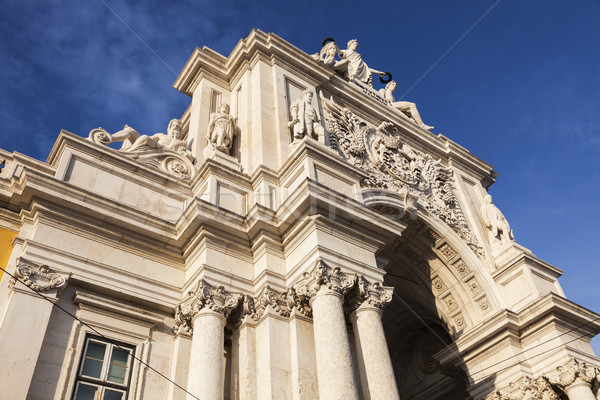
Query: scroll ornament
{"x":40,"y":278}
{"x":394,"y":165}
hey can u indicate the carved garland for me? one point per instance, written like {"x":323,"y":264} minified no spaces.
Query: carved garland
{"x":394,"y":165}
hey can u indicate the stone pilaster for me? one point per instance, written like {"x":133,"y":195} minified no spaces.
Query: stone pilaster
{"x":204,"y":312}
{"x":325,"y":288}
{"x":19,"y":344}
{"x":365,"y":305}
{"x":574,"y":379}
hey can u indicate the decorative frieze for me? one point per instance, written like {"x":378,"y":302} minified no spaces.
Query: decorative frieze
{"x":40,"y":278}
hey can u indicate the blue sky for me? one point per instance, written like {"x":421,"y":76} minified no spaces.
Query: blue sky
{"x":521,"y":90}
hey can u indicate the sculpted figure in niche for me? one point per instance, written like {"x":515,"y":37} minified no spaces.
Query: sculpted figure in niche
{"x":305,"y":118}
{"x":221,"y":129}
{"x":406,"y":107}
{"x":496,"y":224}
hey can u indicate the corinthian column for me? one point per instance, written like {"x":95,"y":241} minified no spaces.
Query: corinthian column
{"x":205,"y":311}
{"x":325,"y":288}
{"x":376,"y":372}
{"x":574,"y":379}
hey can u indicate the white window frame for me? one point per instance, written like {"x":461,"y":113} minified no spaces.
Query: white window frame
{"x":103,"y":383}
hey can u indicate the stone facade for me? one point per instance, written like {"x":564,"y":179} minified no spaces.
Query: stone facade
{"x":295,"y":234}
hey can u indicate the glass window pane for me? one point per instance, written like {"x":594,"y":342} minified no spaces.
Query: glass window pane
{"x":86,"y":392}
{"x":113,"y":395}
{"x":117,"y":370}
{"x":94,"y":356}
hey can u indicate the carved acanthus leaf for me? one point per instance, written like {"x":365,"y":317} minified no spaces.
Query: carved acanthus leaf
{"x":397,"y":166}
{"x":215,"y":298}
{"x":368,"y":294}
{"x":525,"y":389}
{"x":573,"y":371}
{"x":324,"y":276}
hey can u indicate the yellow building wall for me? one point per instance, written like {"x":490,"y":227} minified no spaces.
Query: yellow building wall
{"x":6,"y":238}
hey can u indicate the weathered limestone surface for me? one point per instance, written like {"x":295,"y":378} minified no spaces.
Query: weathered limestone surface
{"x":298,"y":233}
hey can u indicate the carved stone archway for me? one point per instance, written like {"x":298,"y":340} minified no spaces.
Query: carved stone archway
{"x":441,"y":291}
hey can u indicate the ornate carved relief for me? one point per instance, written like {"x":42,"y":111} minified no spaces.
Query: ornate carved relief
{"x":324,"y":276}
{"x":40,"y":278}
{"x":447,"y":251}
{"x":474,"y":286}
{"x":215,"y":298}
{"x":305,"y":119}
{"x":450,"y":303}
{"x":368,"y":294}
{"x":570,"y":373}
{"x":461,"y":268}
{"x":438,"y":285}
{"x":166,"y":152}
{"x":484,"y":305}
{"x":395,"y":165}
{"x":525,"y":389}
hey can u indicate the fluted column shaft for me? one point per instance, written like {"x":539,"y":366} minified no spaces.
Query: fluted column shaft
{"x":205,"y":380}
{"x":334,"y":360}
{"x":374,"y":362}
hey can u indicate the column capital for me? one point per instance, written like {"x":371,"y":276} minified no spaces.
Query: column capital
{"x":40,"y":277}
{"x":571,"y":373}
{"x":324,"y":276}
{"x":367,"y":295}
{"x":204,"y":296}
{"x":525,"y":388}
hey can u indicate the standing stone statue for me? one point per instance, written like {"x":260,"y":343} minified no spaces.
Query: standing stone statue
{"x":221,"y":129}
{"x":406,"y":107}
{"x":305,"y":118}
{"x":495,"y":222}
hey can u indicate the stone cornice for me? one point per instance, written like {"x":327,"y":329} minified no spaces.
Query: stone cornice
{"x":102,"y":304}
{"x":483,"y":340}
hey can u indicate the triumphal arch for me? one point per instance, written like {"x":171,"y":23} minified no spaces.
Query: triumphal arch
{"x":295,"y":234}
